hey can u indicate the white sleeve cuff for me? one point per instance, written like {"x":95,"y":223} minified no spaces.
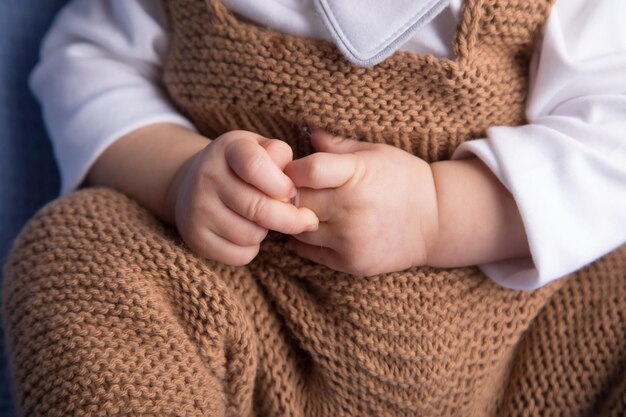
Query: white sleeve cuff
{"x":571,"y":201}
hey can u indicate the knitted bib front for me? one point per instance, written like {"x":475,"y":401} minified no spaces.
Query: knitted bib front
{"x":226,"y":74}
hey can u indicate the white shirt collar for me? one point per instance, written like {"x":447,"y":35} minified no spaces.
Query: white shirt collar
{"x":381,"y":28}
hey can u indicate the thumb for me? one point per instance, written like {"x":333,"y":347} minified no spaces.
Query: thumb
{"x":279,"y":152}
{"x":324,"y":141}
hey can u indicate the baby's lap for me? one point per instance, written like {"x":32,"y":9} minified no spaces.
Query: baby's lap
{"x":94,"y":293}
{"x":100,"y":239}
{"x":94,"y":218}
{"x":97,"y":259}
{"x":86,"y":229}
{"x":96,"y":265}
{"x":114,"y":224}
{"x":95,"y":248}
{"x":94,"y":273}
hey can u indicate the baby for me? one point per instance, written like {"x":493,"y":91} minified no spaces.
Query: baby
{"x":439,"y":136}
{"x":509,"y":189}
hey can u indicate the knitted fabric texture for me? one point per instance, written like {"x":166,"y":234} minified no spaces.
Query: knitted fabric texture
{"x":226,"y":74}
{"x":108,"y":313}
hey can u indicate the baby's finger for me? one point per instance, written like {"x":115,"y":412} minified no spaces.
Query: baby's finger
{"x":251,"y":162}
{"x":322,"y":202}
{"x":322,"y":170}
{"x":323,"y":236}
{"x":268,"y":212}
{"x":207,"y":244}
{"x":235,"y":228}
{"x":324,"y":141}
{"x":317,"y":254}
{"x":279,"y":151}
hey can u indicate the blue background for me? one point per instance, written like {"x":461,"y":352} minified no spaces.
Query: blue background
{"x":28,"y":174}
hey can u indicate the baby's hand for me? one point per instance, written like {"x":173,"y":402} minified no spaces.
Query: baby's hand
{"x":376,"y":204}
{"x":228,"y":195}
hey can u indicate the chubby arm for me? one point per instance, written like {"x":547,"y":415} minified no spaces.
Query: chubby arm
{"x":478,"y":219}
{"x":222,"y":195}
{"x":382,"y":209}
{"x":144,"y":163}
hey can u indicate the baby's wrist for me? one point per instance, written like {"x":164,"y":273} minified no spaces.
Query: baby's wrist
{"x":142,"y":163}
{"x":478,"y":219}
{"x":427,"y":207}
{"x":172,"y":191}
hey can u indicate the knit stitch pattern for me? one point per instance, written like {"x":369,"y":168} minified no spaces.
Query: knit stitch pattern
{"x":226,"y":74}
{"x":108,"y":313}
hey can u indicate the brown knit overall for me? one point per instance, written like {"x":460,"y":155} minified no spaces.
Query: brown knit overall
{"x":107,"y":313}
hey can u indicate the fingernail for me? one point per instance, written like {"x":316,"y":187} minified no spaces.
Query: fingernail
{"x":312,"y":222}
{"x":290,"y":197}
{"x":312,"y":227}
{"x":313,"y":219}
{"x":295,"y":200}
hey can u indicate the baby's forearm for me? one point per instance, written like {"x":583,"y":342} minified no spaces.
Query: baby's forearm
{"x":144,"y":163}
{"x":479,"y":221}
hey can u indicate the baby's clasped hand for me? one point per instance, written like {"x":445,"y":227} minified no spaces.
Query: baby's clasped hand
{"x":228,"y":195}
{"x":382,"y":209}
{"x":376,"y":204}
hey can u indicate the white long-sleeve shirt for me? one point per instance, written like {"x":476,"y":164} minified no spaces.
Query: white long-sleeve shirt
{"x":99,"y":78}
